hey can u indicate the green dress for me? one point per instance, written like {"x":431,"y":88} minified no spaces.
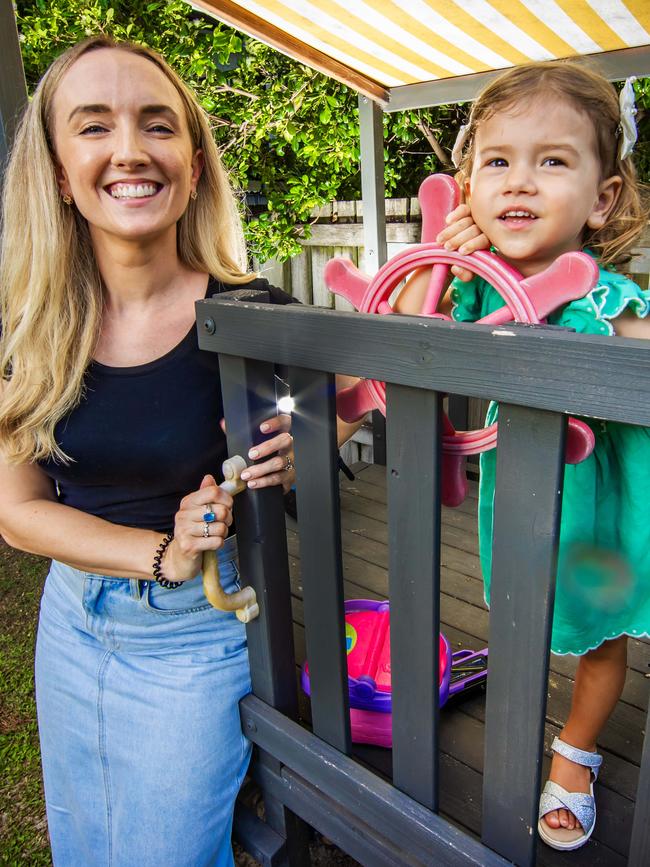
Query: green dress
{"x":603,"y":578}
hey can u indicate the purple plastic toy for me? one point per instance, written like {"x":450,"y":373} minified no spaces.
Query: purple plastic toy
{"x":367,"y":636}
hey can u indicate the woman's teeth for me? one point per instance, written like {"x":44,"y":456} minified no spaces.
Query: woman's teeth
{"x":133,"y":191}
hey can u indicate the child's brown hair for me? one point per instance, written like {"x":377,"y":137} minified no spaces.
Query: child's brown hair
{"x":588,"y":92}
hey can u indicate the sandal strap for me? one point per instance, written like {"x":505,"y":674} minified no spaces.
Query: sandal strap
{"x":555,"y":797}
{"x":580,"y":757}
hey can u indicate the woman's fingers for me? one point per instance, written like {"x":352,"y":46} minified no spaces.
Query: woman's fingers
{"x":280,"y":422}
{"x":211,"y":494}
{"x":282,"y":441}
{"x":275,"y":471}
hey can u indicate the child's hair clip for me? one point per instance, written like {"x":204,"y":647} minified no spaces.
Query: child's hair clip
{"x":627,"y":127}
{"x":459,"y":144}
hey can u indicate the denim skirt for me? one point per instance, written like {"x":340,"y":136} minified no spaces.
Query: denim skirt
{"x":137,"y":691}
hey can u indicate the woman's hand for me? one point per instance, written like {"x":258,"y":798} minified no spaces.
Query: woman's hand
{"x":464,"y":235}
{"x":275,"y":456}
{"x":193,"y":534}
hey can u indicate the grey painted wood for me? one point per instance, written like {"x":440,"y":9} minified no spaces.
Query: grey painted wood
{"x":13,"y":90}
{"x":371,"y":130}
{"x":530,"y":468}
{"x":640,"y":842}
{"x":465,"y":623}
{"x":368,"y":799}
{"x":248,"y":390}
{"x":531,"y":366}
{"x":413,"y":478}
{"x":314,"y":431}
{"x":614,"y":65}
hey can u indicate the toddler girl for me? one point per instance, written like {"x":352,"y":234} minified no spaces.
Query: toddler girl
{"x":545,"y":168}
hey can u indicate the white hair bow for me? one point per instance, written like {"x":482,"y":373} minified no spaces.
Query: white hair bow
{"x":459,"y":144}
{"x":627,"y":127}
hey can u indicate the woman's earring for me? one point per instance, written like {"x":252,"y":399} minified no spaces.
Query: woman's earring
{"x":193,"y":195}
{"x":67,"y":199}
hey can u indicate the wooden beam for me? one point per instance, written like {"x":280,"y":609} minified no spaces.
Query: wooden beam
{"x":13,"y":92}
{"x":238,"y":17}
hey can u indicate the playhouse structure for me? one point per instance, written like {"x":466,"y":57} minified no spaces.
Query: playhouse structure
{"x":385,"y":808}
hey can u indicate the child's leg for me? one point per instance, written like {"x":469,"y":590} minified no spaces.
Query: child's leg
{"x":599,"y":684}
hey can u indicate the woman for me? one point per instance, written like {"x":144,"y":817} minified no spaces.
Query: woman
{"x":118,"y":218}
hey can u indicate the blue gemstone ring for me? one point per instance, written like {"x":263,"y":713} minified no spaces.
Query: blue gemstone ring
{"x":209,"y":517}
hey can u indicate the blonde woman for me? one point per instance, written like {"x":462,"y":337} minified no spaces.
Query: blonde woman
{"x":118,"y":217}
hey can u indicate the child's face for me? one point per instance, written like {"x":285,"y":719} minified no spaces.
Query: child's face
{"x":536,"y":182}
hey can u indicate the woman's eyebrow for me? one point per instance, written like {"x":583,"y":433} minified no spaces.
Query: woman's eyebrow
{"x":88,"y":109}
{"x":159,"y":109}
{"x":97,"y":108}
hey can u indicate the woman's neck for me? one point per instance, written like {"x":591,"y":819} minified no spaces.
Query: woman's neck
{"x":136,"y":274}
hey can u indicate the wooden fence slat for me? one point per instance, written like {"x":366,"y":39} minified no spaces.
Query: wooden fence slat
{"x":317,"y":490}
{"x":526,"y":534}
{"x":301,"y":286}
{"x":414,"y":431}
{"x":322,"y":297}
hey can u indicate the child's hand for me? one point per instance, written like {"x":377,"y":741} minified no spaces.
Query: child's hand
{"x":464,"y":235}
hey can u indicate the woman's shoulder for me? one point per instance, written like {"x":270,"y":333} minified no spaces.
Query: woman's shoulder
{"x":256,"y":284}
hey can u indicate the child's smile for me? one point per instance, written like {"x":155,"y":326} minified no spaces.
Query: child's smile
{"x":535,"y":184}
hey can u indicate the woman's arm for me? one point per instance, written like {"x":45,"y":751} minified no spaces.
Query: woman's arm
{"x":32,"y":520}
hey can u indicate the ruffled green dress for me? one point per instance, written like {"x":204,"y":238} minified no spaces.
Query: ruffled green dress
{"x":603,"y":579}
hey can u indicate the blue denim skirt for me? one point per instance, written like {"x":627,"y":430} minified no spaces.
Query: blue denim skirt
{"x":137,"y":690}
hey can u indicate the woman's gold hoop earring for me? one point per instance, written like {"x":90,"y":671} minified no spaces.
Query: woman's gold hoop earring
{"x":193,"y":195}
{"x":67,"y":199}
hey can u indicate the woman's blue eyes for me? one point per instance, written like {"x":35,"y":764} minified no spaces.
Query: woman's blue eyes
{"x":95,"y":129}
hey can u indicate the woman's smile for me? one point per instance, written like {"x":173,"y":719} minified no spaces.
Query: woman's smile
{"x":125,"y":153}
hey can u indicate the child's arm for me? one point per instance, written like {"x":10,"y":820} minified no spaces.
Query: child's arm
{"x":629,"y":325}
{"x":461,"y":234}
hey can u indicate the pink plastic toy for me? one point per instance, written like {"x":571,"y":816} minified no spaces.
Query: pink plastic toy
{"x":527,"y":300}
{"x":367,"y":636}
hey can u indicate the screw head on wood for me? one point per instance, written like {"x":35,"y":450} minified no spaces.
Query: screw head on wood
{"x":209,"y":326}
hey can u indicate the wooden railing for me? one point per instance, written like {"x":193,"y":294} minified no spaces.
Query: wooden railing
{"x":338,"y":231}
{"x":311,"y":774}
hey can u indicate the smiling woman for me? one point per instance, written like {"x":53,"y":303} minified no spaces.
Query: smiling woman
{"x":118,"y":218}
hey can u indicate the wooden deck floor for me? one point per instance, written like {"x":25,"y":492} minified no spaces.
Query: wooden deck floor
{"x":465,"y":623}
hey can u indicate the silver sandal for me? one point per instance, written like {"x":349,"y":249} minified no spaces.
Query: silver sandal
{"x":583,"y":806}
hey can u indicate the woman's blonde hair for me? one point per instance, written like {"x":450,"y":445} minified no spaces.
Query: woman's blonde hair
{"x":51,"y":295}
{"x":588,"y":92}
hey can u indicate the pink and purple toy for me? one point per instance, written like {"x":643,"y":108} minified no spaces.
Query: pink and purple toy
{"x":367,"y":637}
{"x":527,"y":300}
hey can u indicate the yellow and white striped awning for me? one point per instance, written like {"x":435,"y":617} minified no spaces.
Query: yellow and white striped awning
{"x":378,"y":45}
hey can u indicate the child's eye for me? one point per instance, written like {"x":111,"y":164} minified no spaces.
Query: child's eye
{"x":553,"y":161}
{"x":497,"y":162}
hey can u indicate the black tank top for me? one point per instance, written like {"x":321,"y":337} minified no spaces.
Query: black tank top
{"x":143,"y":437}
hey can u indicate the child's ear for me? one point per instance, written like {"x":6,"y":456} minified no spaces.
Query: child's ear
{"x":466,"y":190}
{"x":608,"y":193}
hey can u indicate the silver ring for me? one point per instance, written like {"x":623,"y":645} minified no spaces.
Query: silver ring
{"x":288,"y":464}
{"x":206,"y":530}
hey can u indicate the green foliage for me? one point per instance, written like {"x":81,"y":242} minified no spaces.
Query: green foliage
{"x":22,"y":811}
{"x":285,"y":131}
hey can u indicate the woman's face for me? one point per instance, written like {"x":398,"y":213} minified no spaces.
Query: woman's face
{"x":123,"y":147}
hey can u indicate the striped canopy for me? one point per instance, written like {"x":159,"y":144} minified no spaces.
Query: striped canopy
{"x":379,"y":45}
